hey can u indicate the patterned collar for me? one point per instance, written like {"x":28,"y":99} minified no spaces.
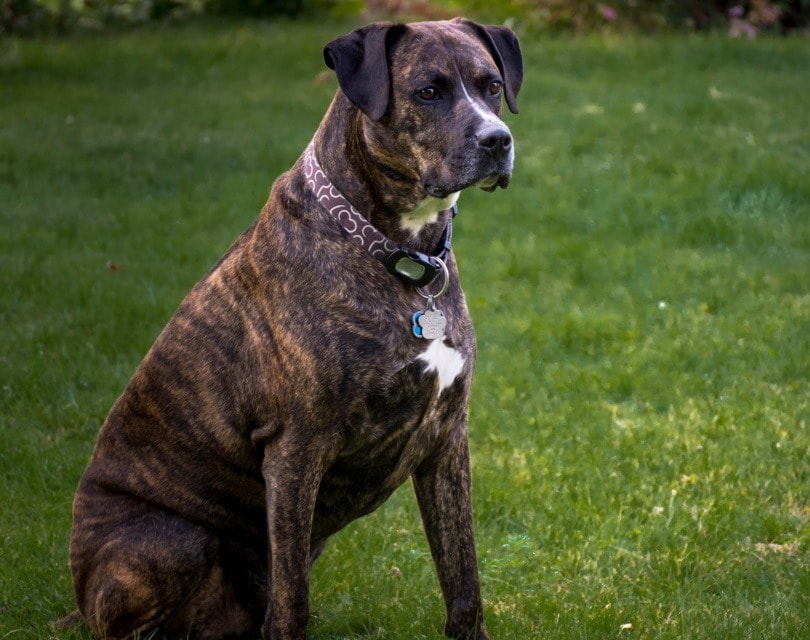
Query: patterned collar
{"x":414,"y":267}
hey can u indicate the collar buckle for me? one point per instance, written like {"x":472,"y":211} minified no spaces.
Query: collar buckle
{"x":412,"y":266}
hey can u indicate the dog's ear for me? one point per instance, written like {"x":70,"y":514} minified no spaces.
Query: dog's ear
{"x":360,"y":61}
{"x":505,"y":49}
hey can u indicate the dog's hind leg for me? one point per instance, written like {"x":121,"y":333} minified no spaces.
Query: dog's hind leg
{"x":157,"y":573}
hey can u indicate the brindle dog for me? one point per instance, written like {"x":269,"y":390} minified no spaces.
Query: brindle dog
{"x":290,"y":394}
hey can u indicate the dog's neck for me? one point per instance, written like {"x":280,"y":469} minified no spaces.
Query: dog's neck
{"x":390,"y":198}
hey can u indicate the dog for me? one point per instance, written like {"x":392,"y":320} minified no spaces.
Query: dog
{"x":321,"y":363}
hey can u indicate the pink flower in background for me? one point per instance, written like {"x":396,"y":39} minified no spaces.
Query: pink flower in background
{"x":608,"y":13}
{"x":738,"y":26}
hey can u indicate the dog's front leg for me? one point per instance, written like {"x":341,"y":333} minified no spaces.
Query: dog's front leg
{"x":442,"y":485}
{"x":292,"y":481}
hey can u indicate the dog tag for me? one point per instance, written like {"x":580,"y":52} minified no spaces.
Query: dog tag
{"x":430,"y":323}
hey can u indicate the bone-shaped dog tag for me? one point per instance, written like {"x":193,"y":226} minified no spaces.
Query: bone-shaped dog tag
{"x":430,"y":323}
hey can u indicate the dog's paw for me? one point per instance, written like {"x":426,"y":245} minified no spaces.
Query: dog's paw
{"x":475,"y":635}
{"x":478,"y":633}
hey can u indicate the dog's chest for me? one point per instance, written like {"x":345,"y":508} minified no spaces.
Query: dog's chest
{"x":390,"y":432}
{"x":408,"y":408}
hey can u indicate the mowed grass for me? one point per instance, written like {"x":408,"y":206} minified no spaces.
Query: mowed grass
{"x":639,"y":424}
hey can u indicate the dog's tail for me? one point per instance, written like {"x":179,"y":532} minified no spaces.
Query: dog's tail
{"x":69,"y":621}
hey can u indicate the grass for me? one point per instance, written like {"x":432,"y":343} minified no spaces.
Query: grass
{"x":639,"y":423}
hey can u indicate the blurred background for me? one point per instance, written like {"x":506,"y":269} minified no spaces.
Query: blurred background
{"x":640,"y":411}
{"x":739,"y":17}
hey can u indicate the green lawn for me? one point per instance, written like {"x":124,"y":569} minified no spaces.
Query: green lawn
{"x":641,"y":294}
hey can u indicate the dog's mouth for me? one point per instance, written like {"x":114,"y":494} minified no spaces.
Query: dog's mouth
{"x":488,"y":184}
{"x":491,"y":183}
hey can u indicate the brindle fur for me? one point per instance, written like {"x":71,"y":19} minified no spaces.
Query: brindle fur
{"x":285,"y":398}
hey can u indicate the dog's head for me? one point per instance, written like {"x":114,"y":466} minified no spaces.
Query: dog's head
{"x":432,"y":94}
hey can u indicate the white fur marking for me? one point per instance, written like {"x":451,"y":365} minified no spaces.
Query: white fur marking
{"x":426,"y":212}
{"x":444,"y":360}
{"x":488,"y":116}
{"x":485,"y":114}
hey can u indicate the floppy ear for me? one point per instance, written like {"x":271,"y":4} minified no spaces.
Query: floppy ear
{"x":505,"y":49}
{"x":360,"y":61}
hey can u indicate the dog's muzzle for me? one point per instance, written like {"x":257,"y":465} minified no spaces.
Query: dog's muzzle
{"x":487,"y":164}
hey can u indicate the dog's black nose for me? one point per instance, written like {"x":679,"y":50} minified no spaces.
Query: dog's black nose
{"x":495,"y":140}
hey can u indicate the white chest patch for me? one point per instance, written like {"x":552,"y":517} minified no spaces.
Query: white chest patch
{"x":445,"y":361}
{"x":426,"y":213}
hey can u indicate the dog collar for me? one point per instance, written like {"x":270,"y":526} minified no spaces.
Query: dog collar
{"x":414,"y":267}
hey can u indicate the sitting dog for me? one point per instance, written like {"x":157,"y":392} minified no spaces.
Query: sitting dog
{"x":322,"y":362}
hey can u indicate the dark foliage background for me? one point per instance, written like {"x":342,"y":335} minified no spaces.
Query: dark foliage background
{"x":738,"y":17}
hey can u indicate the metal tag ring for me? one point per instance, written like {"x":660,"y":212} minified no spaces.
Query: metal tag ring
{"x":445,"y":284}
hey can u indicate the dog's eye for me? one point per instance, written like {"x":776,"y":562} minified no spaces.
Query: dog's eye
{"x":495,"y":88}
{"x":427,"y":94}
